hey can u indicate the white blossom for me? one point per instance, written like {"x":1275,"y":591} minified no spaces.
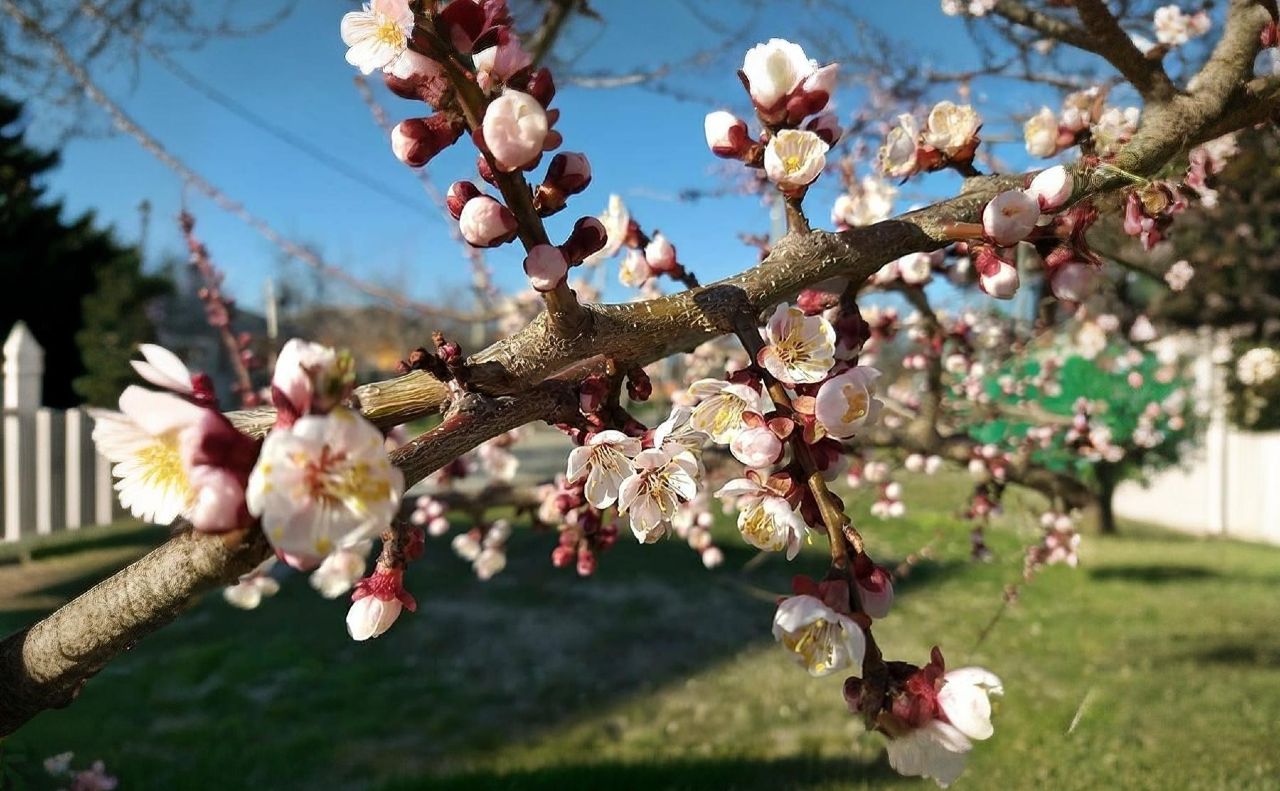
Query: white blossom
{"x":765,"y":520}
{"x":378,"y":34}
{"x":819,"y":638}
{"x":799,"y":349}
{"x":775,"y":69}
{"x":845,"y":404}
{"x":325,"y":483}
{"x":1041,"y":133}
{"x":143,"y":442}
{"x":720,"y":407}
{"x":951,"y":127}
{"x":795,"y":158}
{"x":1258,"y":366}
{"x":663,"y":479}
{"x":605,"y":461}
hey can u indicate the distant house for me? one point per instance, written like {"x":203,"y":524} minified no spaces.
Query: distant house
{"x":179,"y":319}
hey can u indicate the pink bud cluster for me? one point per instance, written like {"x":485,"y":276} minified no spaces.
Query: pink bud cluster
{"x":1058,"y":544}
{"x":1035,"y":214}
{"x":504,"y":103}
{"x":583,"y":529}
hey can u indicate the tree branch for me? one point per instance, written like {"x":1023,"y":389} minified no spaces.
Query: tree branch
{"x":44,"y":666}
{"x":1109,"y":40}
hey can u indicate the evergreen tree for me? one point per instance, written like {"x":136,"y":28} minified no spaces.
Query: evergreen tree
{"x":83,"y":294}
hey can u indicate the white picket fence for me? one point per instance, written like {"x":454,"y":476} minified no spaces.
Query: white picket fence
{"x":53,"y":477}
{"x":1229,"y":486}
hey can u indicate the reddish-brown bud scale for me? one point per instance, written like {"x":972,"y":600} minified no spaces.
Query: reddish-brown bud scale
{"x":589,"y":236}
{"x":417,"y":140}
{"x":459,"y":193}
{"x":569,"y":172}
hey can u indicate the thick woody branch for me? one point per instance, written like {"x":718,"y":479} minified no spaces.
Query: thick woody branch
{"x":46,"y":665}
{"x":1109,"y":40}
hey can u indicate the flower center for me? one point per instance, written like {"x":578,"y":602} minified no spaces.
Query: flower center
{"x":726,"y":413}
{"x":162,"y":464}
{"x":388,"y":33}
{"x":336,"y":480}
{"x":759,"y":528}
{"x":816,"y":644}
{"x":856,"y":403}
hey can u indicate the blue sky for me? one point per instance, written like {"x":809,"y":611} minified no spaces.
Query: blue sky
{"x":644,"y":145}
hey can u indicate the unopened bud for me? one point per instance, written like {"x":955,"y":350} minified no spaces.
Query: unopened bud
{"x":460,"y":192}
{"x":417,"y":140}
{"x":589,"y":236}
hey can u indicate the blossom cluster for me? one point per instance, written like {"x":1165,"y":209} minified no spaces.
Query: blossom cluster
{"x":791,"y":94}
{"x":320,"y":486}
{"x":94,"y":778}
{"x":948,"y":138}
{"x":1059,"y":544}
{"x":1086,"y":120}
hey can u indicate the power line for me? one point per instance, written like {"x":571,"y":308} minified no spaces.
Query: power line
{"x":231,"y":105}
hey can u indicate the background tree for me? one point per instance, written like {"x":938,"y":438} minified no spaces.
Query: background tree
{"x":84,"y":294}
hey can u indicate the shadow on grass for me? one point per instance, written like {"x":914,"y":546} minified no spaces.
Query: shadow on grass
{"x":1237,"y":653}
{"x":73,"y":542}
{"x":724,"y":774}
{"x":1153,"y":574}
{"x":480,"y":666}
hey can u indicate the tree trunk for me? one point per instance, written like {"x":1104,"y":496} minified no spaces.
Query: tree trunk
{"x":1107,"y":481}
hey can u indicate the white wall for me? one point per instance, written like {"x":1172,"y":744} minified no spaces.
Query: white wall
{"x":1230,"y":486}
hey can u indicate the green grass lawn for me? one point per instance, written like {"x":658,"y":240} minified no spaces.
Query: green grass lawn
{"x":1164,"y":651}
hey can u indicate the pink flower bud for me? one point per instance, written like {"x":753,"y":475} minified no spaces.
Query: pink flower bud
{"x":415,"y":76}
{"x":417,"y":140}
{"x":712,"y":557}
{"x":515,"y":129}
{"x":771,"y":71}
{"x":484,"y":222}
{"x":586,"y":562}
{"x":219,"y":500}
{"x":501,"y":62}
{"x":1052,"y":188}
{"x":378,"y":601}
{"x":727,"y":135}
{"x":546,"y":267}
{"x":660,"y":254}
{"x":813,"y":94}
{"x":485,"y":172}
{"x":996,"y":277}
{"x":1073,"y":282}
{"x":1010,"y":217}
{"x":569,"y":172}
{"x":541,"y":86}
{"x":756,"y":447}
{"x":827,"y":127}
{"x":639,"y":385}
{"x":562,"y":557}
{"x":875,"y":587}
{"x":460,"y":193}
{"x":589,"y":236}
